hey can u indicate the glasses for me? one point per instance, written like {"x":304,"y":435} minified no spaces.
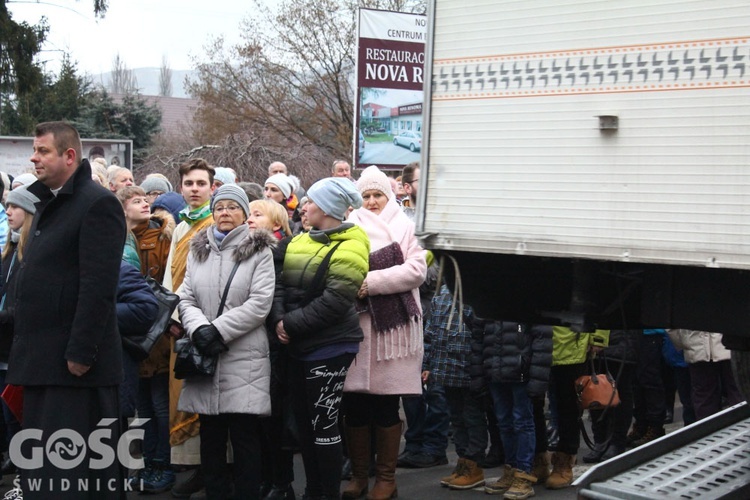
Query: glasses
{"x":412,"y":182}
{"x":226,"y":208}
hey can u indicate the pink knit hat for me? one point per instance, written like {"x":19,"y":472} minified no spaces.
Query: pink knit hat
{"x":373,"y":178}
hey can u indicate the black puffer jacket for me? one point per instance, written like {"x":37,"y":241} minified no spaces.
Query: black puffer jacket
{"x":623,"y":346}
{"x":513,"y":352}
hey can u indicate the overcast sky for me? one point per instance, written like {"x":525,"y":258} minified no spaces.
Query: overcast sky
{"x":142,"y":31}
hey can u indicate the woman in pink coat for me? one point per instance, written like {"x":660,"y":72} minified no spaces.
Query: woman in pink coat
{"x":389,"y":362}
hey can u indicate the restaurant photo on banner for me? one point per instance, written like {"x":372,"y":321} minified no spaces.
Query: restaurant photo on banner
{"x":390,"y":79}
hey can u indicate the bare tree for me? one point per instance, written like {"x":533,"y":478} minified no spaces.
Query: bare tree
{"x":165,"y":78}
{"x":291,"y":78}
{"x":122,"y":79}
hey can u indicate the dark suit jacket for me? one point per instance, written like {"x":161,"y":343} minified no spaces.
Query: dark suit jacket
{"x":65,"y":288}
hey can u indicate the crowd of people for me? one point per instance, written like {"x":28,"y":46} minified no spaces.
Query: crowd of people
{"x":327,"y":322}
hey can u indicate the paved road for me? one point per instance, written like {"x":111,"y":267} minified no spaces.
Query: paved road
{"x":419,"y":484}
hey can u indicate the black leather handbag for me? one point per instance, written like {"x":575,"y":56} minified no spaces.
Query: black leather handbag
{"x":140,"y":347}
{"x":190,"y":362}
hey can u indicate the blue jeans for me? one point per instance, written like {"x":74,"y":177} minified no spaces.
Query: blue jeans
{"x":153,"y":403}
{"x":515,"y":415}
{"x":428,"y":421}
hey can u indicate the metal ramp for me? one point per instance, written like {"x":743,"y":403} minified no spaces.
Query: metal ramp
{"x":709,"y":459}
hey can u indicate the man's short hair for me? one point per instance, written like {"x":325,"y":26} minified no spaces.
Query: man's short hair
{"x":124,"y":194}
{"x":336,"y":162}
{"x":286,"y":170}
{"x":254,"y":191}
{"x":407,"y":176}
{"x":112,"y":173}
{"x":197,"y":164}
{"x":65,"y":137}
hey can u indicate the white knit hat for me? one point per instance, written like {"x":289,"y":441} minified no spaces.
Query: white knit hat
{"x":282,"y":182}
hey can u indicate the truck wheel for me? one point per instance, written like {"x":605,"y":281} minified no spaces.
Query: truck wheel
{"x":741,"y":367}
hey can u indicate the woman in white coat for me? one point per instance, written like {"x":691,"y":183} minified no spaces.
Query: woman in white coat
{"x":230,"y":402}
{"x":710,"y":367}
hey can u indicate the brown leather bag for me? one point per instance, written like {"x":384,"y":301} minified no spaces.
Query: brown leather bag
{"x":597,"y":391}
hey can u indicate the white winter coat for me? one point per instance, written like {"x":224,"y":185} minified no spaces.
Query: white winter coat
{"x":699,"y":346}
{"x":241,"y":383}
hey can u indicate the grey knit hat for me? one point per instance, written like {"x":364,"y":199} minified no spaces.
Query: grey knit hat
{"x":156,"y":184}
{"x":231,"y":192}
{"x":21,"y":198}
{"x":334,"y":196}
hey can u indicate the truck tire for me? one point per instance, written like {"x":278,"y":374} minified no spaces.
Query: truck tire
{"x":741,"y":367}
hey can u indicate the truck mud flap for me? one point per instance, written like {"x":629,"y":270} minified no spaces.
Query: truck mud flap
{"x":709,"y":459}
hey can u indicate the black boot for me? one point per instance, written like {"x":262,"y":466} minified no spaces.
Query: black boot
{"x":283,"y":492}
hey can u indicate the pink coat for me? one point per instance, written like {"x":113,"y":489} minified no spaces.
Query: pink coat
{"x":390,"y":363}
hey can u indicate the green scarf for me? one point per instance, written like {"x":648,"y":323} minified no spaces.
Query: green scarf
{"x":130,"y":252}
{"x":197,"y":214}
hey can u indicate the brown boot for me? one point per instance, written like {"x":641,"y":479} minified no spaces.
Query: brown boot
{"x":652,"y":432}
{"x":456,"y":472}
{"x":522,"y":487}
{"x":358,"y":444}
{"x":540,"y":469}
{"x":387,"y":441}
{"x":470,"y":477}
{"x":562,"y":471}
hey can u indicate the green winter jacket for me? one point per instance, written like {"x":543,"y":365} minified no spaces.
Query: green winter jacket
{"x":570,"y":348}
{"x":315,"y":318}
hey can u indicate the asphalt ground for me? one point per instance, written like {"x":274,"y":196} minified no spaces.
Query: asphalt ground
{"x":419,"y":484}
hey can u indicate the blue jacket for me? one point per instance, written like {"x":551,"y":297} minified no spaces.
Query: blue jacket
{"x":136,"y":304}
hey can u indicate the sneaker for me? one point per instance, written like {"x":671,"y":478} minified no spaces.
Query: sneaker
{"x":424,"y":461}
{"x":162,"y":479}
{"x":502,"y":485}
{"x":521,"y":488}
{"x":403,"y":458}
{"x":192,"y":484}
{"x":456,"y":472}
{"x":470,"y":477}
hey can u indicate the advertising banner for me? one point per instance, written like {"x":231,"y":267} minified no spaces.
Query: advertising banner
{"x":390,"y":80}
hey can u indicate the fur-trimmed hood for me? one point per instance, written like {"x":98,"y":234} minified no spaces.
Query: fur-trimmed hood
{"x":248,"y":242}
{"x":167,"y":223}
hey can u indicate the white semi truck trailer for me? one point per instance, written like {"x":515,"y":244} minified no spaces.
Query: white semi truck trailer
{"x":587,"y":162}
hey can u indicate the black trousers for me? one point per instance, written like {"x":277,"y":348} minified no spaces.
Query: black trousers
{"x":617,"y":419}
{"x":650,"y":409}
{"x":243,"y":432}
{"x":72,"y":414}
{"x":317,"y":388}
{"x":568,"y":410}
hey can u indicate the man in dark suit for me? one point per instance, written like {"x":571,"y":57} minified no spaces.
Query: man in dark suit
{"x":66,"y":349}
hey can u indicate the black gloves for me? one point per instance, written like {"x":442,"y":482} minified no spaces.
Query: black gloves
{"x":207,"y":340}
